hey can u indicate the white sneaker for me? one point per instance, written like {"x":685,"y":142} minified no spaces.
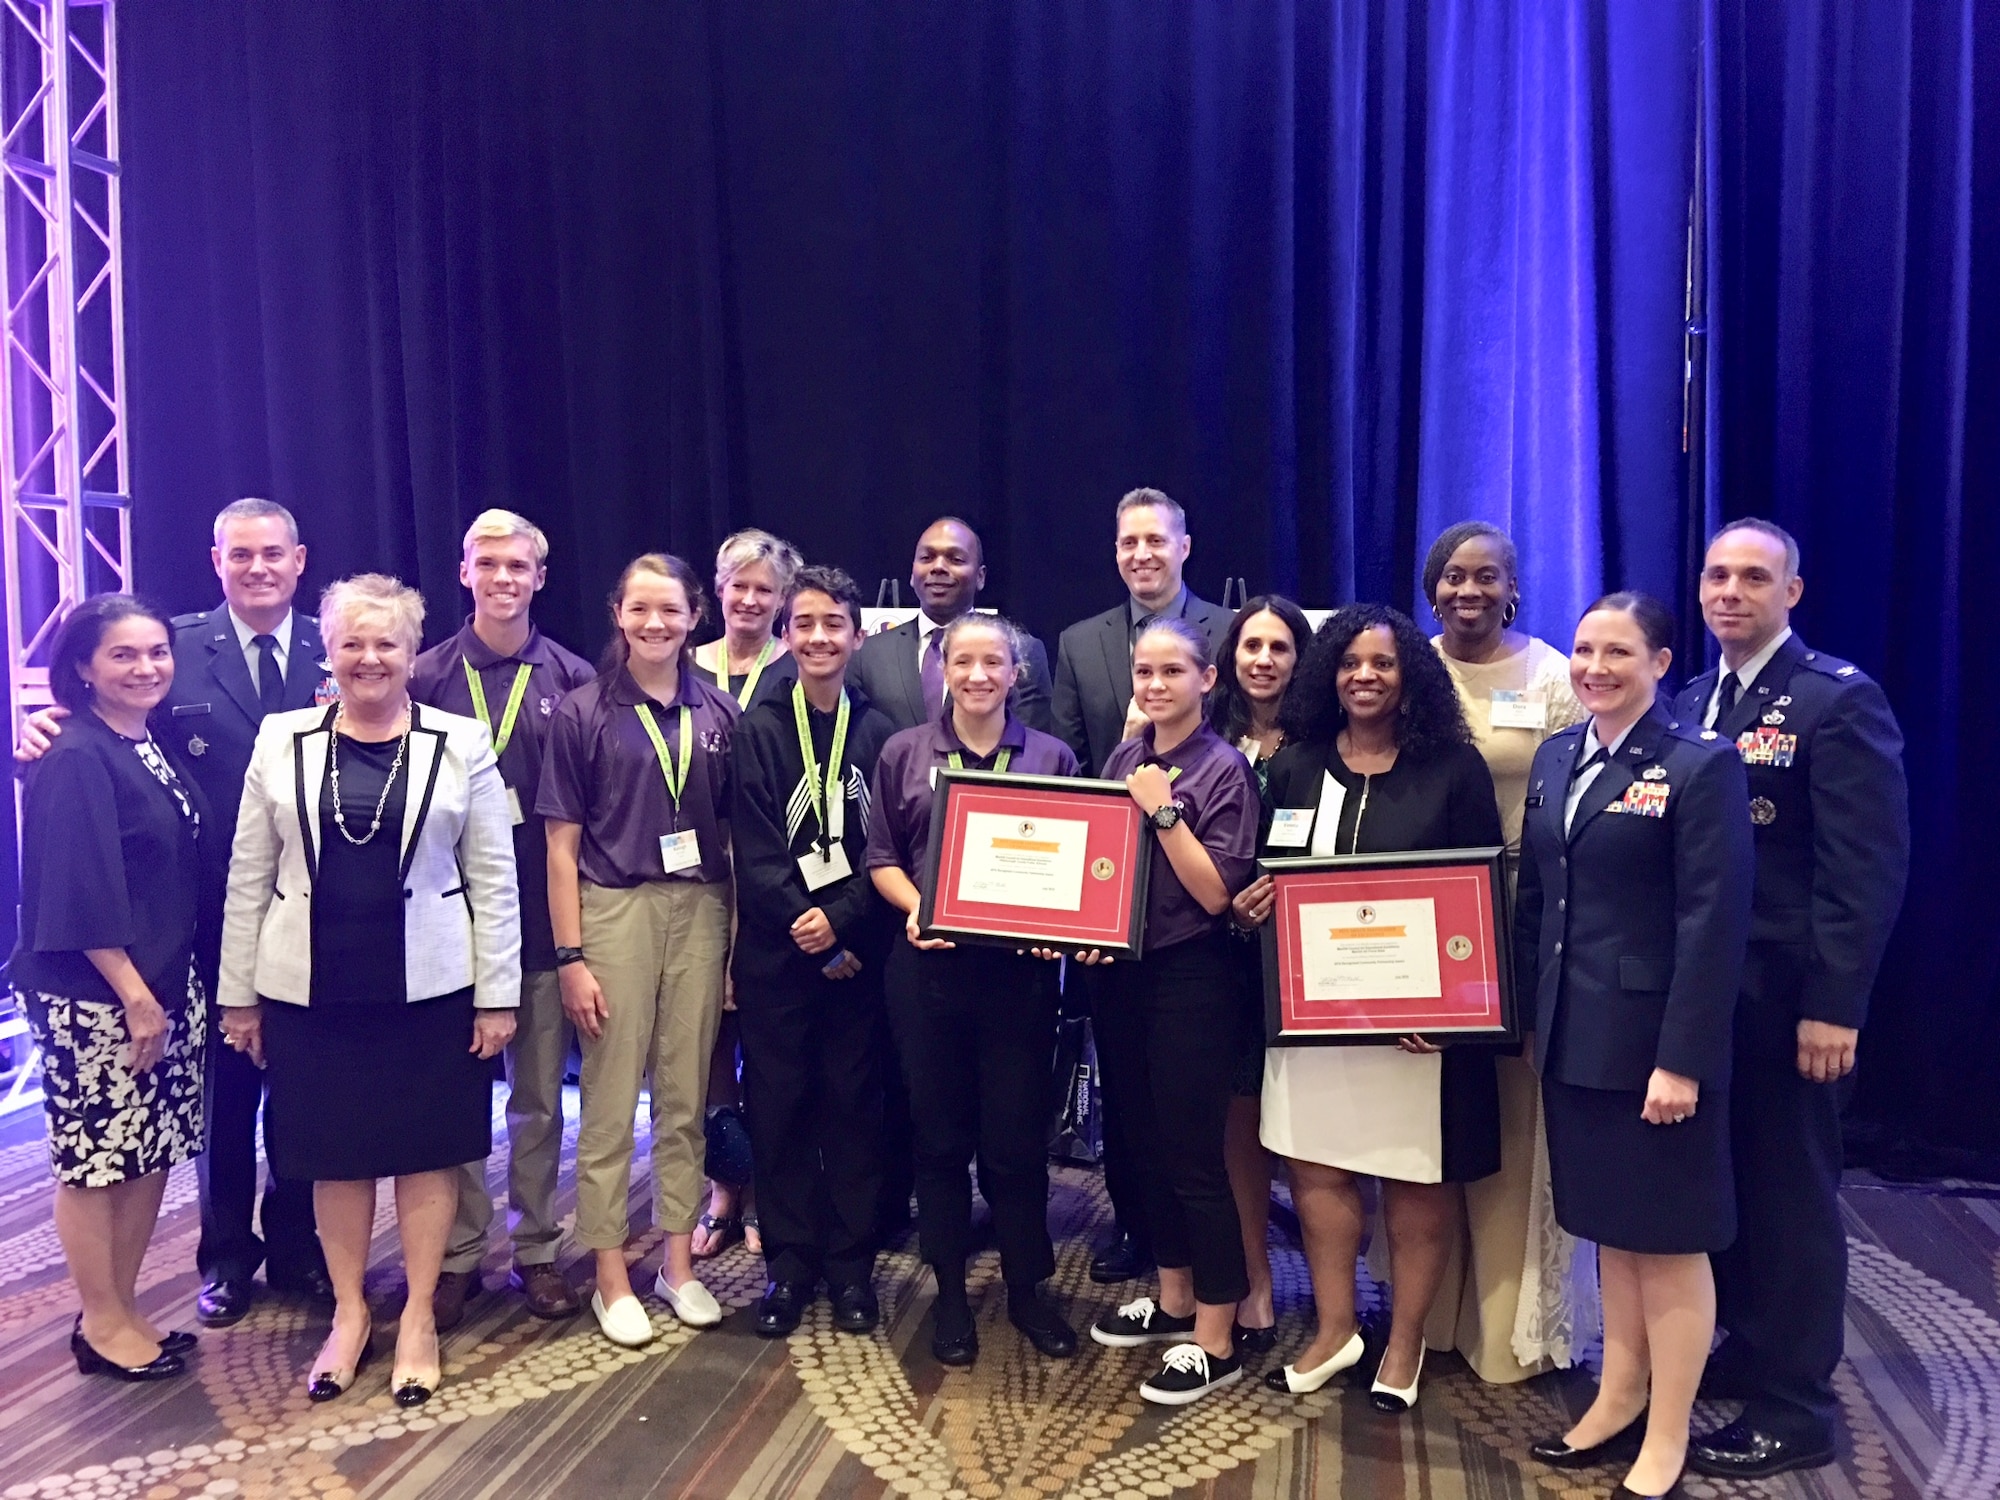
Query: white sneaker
{"x":691,"y":1301}
{"x":624,"y":1321}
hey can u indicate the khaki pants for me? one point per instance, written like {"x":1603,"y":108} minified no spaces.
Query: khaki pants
{"x":535,"y":1061}
{"x":658,"y":952}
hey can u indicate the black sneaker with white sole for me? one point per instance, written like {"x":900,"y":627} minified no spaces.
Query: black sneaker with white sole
{"x":1190,"y":1373}
{"x":1140,"y":1322}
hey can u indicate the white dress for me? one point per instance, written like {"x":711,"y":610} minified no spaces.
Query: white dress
{"x":1370,"y":1109}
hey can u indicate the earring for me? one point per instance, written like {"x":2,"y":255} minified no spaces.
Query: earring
{"x":1507,"y":615}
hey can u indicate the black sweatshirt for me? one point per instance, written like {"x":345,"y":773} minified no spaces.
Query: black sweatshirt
{"x":773,"y":824}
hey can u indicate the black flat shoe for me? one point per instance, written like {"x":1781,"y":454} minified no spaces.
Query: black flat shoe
{"x":1740,"y":1451}
{"x":163,"y":1366}
{"x":178,"y":1342}
{"x":855,"y":1309}
{"x":1622,"y":1445}
{"x":224,"y":1300}
{"x":1030,"y":1311}
{"x":954,"y":1336}
{"x":1671,"y":1492}
{"x":1121,"y":1260}
{"x":1256,"y":1340}
{"x":781,"y":1307}
{"x":325,"y":1385}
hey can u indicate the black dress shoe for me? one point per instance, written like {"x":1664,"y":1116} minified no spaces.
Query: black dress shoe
{"x":1623,"y":1445}
{"x":1256,"y":1340}
{"x":224,"y":1300}
{"x":313,"y":1284}
{"x":954,"y":1337}
{"x":1671,"y":1492}
{"x":1121,"y":1260}
{"x":1740,"y":1451}
{"x":1030,"y":1311}
{"x":89,"y":1362}
{"x":855,"y":1309}
{"x":783,"y":1304}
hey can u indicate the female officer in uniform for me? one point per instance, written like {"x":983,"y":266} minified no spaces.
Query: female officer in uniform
{"x":1631,"y":920}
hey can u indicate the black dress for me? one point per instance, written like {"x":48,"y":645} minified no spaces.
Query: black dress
{"x":1310,"y":1108}
{"x":364,"y":1082}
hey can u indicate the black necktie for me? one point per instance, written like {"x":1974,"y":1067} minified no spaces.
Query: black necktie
{"x":1726,"y":699}
{"x":270,"y":680}
{"x":1596,"y":757}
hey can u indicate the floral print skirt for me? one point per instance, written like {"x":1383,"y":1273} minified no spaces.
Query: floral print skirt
{"x":108,"y":1123}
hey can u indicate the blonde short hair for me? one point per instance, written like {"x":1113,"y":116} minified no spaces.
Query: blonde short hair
{"x":372,"y":594}
{"x":499,"y":525}
{"x":748,"y":548}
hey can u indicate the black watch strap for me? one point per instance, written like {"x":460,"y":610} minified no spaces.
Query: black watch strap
{"x":567,"y":956}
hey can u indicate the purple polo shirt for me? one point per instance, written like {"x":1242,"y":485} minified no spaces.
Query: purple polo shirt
{"x":438,"y":681}
{"x":899,"y":833}
{"x":1217,"y":793}
{"x":603,"y":773}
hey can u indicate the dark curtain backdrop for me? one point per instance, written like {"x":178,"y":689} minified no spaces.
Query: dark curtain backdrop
{"x":1334,"y":274}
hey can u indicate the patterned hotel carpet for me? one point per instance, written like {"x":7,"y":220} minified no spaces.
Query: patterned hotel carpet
{"x":531,"y":1409}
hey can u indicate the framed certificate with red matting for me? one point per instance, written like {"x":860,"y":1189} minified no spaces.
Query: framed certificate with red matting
{"x":1372,"y":947}
{"x":1036,"y":862}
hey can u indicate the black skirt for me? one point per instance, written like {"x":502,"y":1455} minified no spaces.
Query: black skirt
{"x":1650,"y":1189}
{"x":362,"y":1091}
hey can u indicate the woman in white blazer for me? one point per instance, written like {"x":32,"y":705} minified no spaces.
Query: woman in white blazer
{"x":371,"y":960}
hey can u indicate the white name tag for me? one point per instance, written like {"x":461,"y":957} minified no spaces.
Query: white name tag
{"x":680,"y":851}
{"x":1291,"y":827}
{"x":824,"y":872}
{"x":514,"y":813}
{"x":1520,"y":709}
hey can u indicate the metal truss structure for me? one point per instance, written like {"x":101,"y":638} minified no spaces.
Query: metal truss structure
{"x":64,"y":459}
{"x":65,"y":514}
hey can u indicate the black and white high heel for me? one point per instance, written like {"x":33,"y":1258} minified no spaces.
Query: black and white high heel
{"x":1304,"y":1382}
{"x":1388,"y":1398}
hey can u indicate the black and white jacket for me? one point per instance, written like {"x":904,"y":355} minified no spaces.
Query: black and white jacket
{"x":773,"y":825}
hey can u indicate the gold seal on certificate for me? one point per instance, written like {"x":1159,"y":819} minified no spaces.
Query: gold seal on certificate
{"x":1034,"y":862}
{"x":1104,"y":869}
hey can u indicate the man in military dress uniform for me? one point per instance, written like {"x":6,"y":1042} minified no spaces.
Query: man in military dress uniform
{"x":1830,"y":810}
{"x":249,"y":656}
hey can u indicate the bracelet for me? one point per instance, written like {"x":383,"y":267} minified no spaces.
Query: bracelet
{"x":568,"y":956}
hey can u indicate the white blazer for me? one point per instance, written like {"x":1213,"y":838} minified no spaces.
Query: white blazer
{"x":461,"y":908}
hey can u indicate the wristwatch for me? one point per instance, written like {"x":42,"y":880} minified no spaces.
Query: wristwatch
{"x":1167,"y":816}
{"x":567,"y":956}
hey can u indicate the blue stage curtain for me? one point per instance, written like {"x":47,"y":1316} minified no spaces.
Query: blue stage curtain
{"x":1857,"y":401}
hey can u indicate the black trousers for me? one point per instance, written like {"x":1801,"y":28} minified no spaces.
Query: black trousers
{"x":1123,"y":1183}
{"x":1167,"y":1032}
{"x":812,"y":1096}
{"x":227,"y":1176}
{"x":1781,"y":1289}
{"x":976,"y":1031}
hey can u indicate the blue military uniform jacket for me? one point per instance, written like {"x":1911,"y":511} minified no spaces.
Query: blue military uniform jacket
{"x":1630,"y":928}
{"x":1830,"y":803}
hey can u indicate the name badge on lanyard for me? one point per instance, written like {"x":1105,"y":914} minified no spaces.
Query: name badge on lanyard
{"x":957,"y":763}
{"x":1291,"y":827}
{"x":678,"y":851}
{"x":505,"y":734}
{"x":826,"y":862}
{"x":1523,"y":709}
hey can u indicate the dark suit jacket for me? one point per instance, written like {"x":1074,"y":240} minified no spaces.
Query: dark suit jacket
{"x":1094,"y":676}
{"x":1830,"y":804}
{"x":210,"y":718}
{"x":885,"y":668}
{"x":1629,"y":933}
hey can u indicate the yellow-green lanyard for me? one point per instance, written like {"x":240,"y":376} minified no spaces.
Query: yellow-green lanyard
{"x":957,"y":761}
{"x":478,"y":690}
{"x":750,"y":677}
{"x":676,"y":780}
{"x":829,"y":797}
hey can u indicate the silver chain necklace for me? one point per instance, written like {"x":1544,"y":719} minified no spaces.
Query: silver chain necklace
{"x":381,"y":802}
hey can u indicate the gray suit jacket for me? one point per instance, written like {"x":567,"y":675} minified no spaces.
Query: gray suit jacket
{"x":885,"y":668}
{"x":1094,"y":676}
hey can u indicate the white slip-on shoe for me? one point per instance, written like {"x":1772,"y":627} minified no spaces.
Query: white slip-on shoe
{"x":624,"y":1321}
{"x":691,"y":1301}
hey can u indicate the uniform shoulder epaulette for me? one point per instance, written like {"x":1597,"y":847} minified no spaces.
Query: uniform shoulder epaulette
{"x":1692,"y":730}
{"x":1830,"y":666}
{"x":182,"y":622}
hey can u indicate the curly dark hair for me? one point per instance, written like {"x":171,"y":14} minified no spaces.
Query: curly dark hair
{"x":1431,"y":718}
{"x":1228,"y":707}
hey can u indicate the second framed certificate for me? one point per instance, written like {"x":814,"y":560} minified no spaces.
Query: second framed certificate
{"x":1036,"y":861}
{"x":1372,"y":947}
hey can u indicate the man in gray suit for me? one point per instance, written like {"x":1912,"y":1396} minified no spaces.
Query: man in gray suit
{"x":1093,"y":699}
{"x":1094,"y":659}
{"x":901,"y":669}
